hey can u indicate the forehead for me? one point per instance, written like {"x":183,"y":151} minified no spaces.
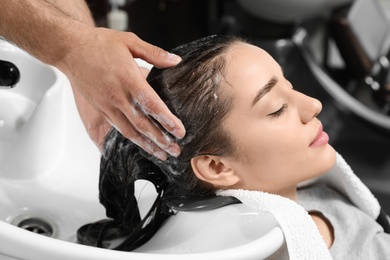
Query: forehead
{"x":248,"y":68}
{"x":246,"y":59}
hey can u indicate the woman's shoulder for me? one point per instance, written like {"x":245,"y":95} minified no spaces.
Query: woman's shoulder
{"x":348,"y":222}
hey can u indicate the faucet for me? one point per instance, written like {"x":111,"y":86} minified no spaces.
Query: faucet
{"x":9,"y":74}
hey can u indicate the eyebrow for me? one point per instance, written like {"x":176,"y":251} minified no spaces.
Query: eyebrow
{"x":264,"y":90}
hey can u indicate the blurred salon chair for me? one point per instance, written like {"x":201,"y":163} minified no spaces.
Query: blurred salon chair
{"x":290,"y":11}
{"x":362,"y":34}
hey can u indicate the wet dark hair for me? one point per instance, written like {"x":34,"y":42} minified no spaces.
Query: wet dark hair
{"x":192,"y":91}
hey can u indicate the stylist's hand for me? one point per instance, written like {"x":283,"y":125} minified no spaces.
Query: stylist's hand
{"x":110,"y":87}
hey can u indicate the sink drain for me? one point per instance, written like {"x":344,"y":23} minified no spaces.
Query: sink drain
{"x":37,"y":225}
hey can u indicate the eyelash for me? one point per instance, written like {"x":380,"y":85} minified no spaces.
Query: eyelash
{"x":280,"y":112}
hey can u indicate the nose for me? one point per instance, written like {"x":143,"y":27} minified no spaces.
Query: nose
{"x":309,"y":107}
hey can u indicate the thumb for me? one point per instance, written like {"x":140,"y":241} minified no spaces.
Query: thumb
{"x":151,"y":53}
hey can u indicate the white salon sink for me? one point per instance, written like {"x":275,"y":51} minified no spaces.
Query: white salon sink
{"x":18,"y":104}
{"x":49,"y":170}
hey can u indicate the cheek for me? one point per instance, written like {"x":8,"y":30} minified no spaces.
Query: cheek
{"x":275,"y":150}
{"x":265,"y":148}
{"x":273,"y":141}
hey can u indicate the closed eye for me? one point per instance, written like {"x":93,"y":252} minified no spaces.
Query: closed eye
{"x":279,"y":112}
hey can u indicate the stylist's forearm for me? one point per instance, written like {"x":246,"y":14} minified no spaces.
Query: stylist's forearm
{"x":76,"y":9}
{"x":40,"y":28}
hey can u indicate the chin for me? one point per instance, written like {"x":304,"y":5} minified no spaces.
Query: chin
{"x":328,"y":158}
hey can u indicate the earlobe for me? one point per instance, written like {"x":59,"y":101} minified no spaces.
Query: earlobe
{"x":215,"y":170}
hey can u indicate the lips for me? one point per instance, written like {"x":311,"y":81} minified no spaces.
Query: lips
{"x":320,"y":139}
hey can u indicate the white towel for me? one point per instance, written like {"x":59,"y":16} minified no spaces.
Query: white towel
{"x":302,"y":236}
{"x":342,"y":178}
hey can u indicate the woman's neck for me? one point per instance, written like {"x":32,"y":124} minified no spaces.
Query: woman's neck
{"x":324,"y":227}
{"x":290,"y":192}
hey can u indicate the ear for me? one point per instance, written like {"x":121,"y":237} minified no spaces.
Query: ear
{"x":215,"y":170}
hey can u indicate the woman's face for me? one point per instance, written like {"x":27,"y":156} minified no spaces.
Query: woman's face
{"x":279,"y":140}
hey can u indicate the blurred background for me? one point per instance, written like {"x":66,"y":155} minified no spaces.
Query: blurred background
{"x":336,"y":51}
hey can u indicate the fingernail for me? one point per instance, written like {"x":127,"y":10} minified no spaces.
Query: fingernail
{"x":174,"y":58}
{"x":178,"y":133}
{"x":174,"y":150}
{"x":161,"y":155}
